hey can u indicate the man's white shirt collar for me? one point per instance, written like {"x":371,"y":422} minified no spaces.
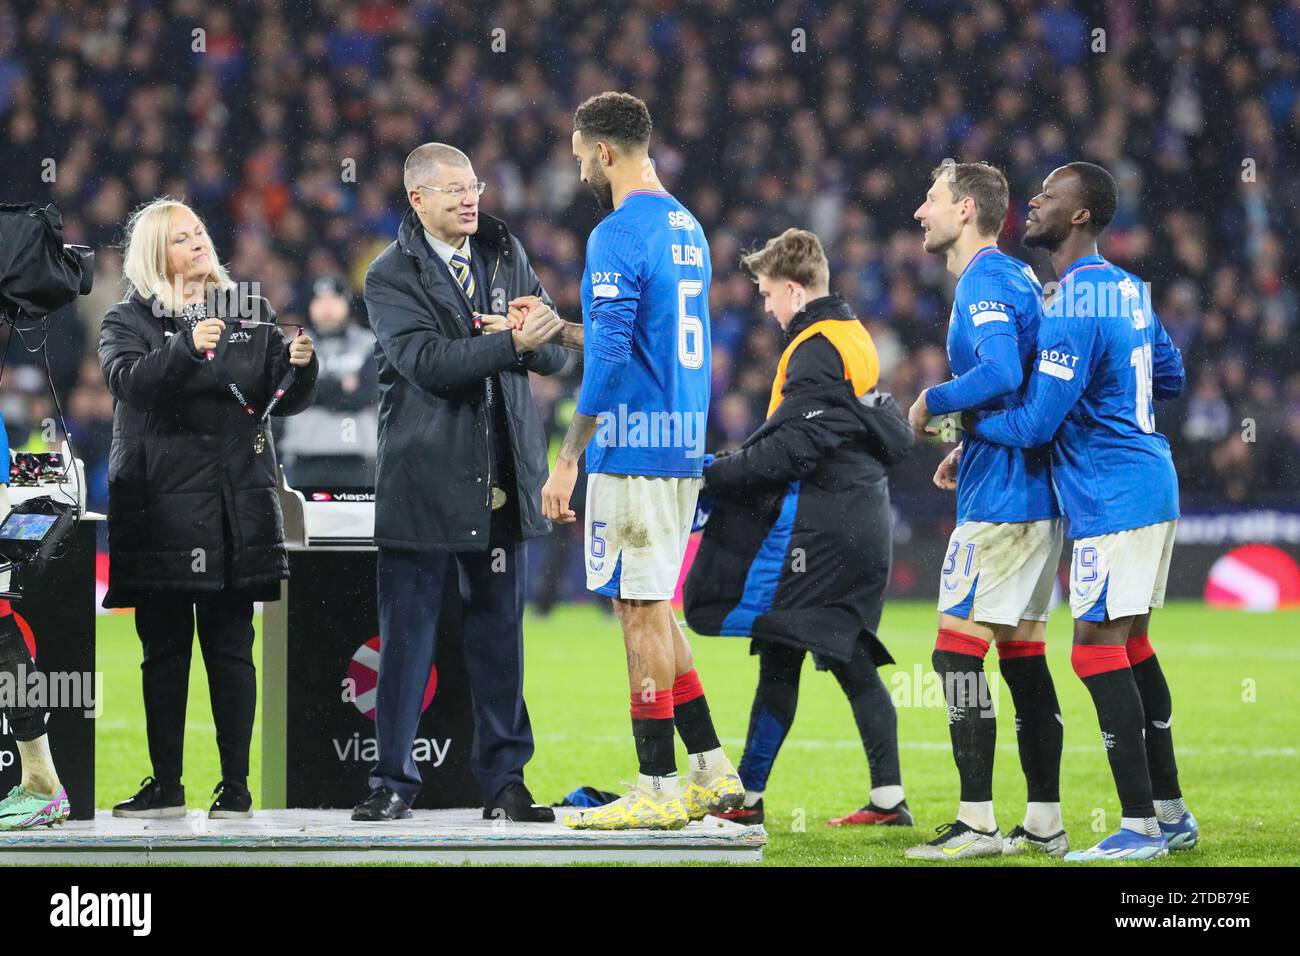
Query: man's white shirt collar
{"x":445,"y":251}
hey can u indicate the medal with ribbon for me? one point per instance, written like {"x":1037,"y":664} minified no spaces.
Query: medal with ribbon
{"x":227,"y":381}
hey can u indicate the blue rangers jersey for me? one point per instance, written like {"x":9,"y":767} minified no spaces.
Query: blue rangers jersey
{"x":992,"y":335}
{"x":1103,"y":357}
{"x":645,"y":315}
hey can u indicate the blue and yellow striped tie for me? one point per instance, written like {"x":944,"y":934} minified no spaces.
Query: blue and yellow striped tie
{"x":464,"y":275}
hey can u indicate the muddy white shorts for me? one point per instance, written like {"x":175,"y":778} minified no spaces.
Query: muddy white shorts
{"x":1000,"y":572}
{"x":637,"y":527}
{"x":1121,"y":574}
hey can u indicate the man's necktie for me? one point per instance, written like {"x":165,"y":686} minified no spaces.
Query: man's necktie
{"x":461,"y":270}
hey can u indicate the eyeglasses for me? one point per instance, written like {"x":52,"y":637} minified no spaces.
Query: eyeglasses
{"x":458,"y":192}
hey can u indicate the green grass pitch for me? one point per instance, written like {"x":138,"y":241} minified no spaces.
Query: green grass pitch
{"x":1234,"y":678}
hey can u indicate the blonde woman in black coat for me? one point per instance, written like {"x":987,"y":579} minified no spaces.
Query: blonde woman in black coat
{"x":196,"y":364}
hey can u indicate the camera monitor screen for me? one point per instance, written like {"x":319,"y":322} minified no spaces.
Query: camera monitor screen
{"x":26,"y":527}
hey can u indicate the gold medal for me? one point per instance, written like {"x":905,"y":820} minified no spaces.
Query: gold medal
{"x":498,"y":497}
{"x":259,"y":443}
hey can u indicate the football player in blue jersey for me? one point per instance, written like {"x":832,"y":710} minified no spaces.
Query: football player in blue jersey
{"x":645,"y":402}
{"x":1103,"y":357}
{"x":996,"y":581}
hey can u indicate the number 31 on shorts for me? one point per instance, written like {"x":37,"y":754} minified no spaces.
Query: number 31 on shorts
{"x":950,"y":565}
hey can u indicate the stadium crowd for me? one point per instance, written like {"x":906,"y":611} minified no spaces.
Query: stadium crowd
{"x":286,"y":125}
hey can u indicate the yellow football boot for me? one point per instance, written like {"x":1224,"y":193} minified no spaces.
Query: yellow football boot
{"x":712,"y":791}
{"x":642,"y":809}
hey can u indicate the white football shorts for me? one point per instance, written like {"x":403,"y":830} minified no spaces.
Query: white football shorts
{"x":637,"y":527}
{"x":1121,"y":574}
{"x":1001,"y":572}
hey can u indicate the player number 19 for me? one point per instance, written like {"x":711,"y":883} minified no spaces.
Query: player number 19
{"x":1140,"y":359}
{"x":690,"y":328}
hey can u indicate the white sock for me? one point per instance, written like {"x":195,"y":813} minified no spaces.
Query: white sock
{"x":662,"y":786}
{"x":1043,"y":819}
{"x":39,"y":775}
{"x":1147,"y":826}
{"x":1170,"y":811}
{"x":978,"y":815}
{"x":886,"y":798}
{"x":752,"y":797}
{"x":714,"y":760}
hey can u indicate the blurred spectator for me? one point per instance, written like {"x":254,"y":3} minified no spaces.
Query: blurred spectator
{"x":297,"y":118}
{"x":333,"y":443}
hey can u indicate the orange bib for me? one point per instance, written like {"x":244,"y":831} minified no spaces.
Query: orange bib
{"x":851,"y":340}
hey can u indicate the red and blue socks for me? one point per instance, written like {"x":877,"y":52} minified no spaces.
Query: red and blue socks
{"x":1040,"y":733}
{"x":652,"y":731}
{"x":958,"y":659}
{"x":1105,"y":672}
{"x":1157,"y":707}
{"x":691,"y":715}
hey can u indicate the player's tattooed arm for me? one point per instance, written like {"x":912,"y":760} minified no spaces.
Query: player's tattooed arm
{"x":571,"y":336}
{"x":564,"y":476}
{"x":581,"y":428}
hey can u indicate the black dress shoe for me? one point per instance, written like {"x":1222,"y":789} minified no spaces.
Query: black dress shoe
{"x":515,"y":803}
{"x":382,"y":804}
{"x":156,"y":800}
{"x":233,"y":802}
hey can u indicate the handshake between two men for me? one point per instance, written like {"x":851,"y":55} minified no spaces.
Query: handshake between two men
{"x":533,"y":324}
{"x":529,"y":320}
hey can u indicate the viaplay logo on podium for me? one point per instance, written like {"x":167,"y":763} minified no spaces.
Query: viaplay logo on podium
{"x":361,"y":687}
{"x":321,"y":676}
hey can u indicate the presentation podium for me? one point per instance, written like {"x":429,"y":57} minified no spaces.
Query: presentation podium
{"x":320,"y":658}
{"x":320,"y":665}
